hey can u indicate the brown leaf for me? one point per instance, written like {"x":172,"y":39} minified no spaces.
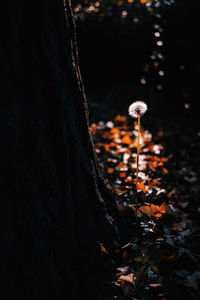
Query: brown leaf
{"x":155,"y":284}
{"x":173,"y":192}
{"x":183,"y":204}
{"x":128,"y":278}
{"x":118,"y":189}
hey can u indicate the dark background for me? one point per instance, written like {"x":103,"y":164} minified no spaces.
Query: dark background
{"x":114,"y":50}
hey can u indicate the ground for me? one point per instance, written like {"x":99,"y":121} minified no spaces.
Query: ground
{"x":162,"y":260}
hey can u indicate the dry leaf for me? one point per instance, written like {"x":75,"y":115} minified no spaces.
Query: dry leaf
{"x":120,"y":118}
{"x":103,"y":249}
{"x":126,"y":140}
{"x":141,"y":186}
{"x":155,"y":210}
{"x":155,"y":284}
{"x":128,"y":278}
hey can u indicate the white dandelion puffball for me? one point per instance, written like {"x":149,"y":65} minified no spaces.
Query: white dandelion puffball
{"x":137,"y":108}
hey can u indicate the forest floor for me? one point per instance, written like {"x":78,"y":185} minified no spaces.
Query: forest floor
{"x":162,"y":260}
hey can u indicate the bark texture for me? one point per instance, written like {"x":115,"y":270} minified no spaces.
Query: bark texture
{"x":54,"y":203}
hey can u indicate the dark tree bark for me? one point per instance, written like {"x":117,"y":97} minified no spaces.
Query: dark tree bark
{"x":55,"y":205}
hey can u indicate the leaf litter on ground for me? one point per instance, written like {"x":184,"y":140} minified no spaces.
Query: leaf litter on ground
{"x":162,"y":261}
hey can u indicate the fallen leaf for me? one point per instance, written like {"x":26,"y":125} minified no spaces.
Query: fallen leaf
{"x":155,"y":284}
{"x":120,"y":118}
{"x":103,"y":249}
{"x":164,"y":209}
{"x":165,"y":170}
{"x":141,"y":187}
{"x":183,"y":204}
{"x":118,"y":189}
{"x":155,"y":210}
{"x":128,"y":278}
{"x":122,"y":174}
{"x":126,"y":140}
{"x":173,"y":192}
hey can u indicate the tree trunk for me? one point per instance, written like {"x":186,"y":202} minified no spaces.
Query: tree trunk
{"x":55,"y":205}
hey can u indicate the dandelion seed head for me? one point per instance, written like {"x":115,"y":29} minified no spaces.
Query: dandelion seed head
{"x":137,"y":108}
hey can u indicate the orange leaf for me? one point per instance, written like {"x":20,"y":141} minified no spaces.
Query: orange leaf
{"x":126,"y":140}
{"x":164,"y":209}
{"x":123,"y":174}
{"x":164,"y":159}
{"x":155,"y":210}
{"x":158,"y":215}
{"x":150,"y":147}
{"x":103,"y":249}
{"x":114,"y":130}
{"x":112,"y":144}
{"x":141,"y":186}
{"x":165,"y":170}
{"x":149,"y":210}
{"x":107,"y":147}
{"x":119,"y":117}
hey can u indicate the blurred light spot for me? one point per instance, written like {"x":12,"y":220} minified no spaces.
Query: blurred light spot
{"x":158,"y":16}
{"x":124,"y":13}
{"x":182,"y":67}
{"x":97,"y":4}
{"x":143,"y":80}
{"x":159,"y":43}
{"x":160,"y":56}
{"x":159,"y":87}
{"x":156,"y":64}
{"x":135,"y":20}
{"x":157,"y":34}
{"x":153,"y":57}
{"x":91,"y":8}
{"x":157,"y":4}
{"x":119,"y":3}
{"x":110,"y":124}
{"x":161,"y":73}
{"x":187,"y":105}
{"x":155,"y":26}
{"x":130,"y":1}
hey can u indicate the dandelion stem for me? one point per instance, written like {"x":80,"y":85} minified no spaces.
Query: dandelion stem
{"x":138,"y":154}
